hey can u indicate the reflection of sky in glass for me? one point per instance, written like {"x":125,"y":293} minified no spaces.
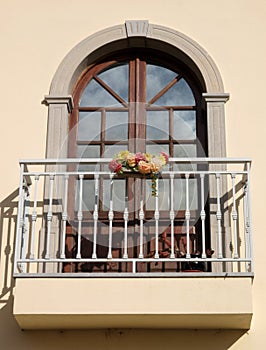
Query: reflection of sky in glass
{"x":117,"y":79}
{"x":157,"y":78}
{"x":89,"y":126}
{"x":157,"y":125}
{"x":184,"y":125}
{"x":95,"y":95}
{"x":116,"y":126}
{"x":179,"y":95}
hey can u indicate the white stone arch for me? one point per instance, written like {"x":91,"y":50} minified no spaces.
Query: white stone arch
{"x":133,"y":34}
{"x":75,"y":61}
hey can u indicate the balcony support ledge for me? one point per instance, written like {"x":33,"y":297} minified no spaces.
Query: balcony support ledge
{"x":88,"y":303}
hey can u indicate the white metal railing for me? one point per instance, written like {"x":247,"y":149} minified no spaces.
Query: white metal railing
{"x":75,"y":220}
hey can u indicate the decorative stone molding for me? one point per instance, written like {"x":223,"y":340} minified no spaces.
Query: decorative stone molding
{"x":59,"y":100}
{"x":137,"y":28}
{"x":210,"y":97}
{"x":77,"y":59}
{"x":216,"y":123}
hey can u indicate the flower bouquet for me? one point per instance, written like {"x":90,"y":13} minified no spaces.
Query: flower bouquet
{"x":140,"y":163}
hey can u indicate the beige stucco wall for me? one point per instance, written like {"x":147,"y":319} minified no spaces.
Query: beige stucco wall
{"x":35,"y":36}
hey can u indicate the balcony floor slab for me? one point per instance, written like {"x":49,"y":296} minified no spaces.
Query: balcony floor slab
{"x":87,"y":303}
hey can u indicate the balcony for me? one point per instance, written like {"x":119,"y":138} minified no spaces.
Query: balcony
{"x":77,"y":221}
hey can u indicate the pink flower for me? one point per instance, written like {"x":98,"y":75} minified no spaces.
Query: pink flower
{"x":144,"y":168}
{"x":115,"y":166}
{"x":140,"y":156}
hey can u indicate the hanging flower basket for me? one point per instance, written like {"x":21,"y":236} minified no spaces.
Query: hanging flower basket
{"x":139,"y":165}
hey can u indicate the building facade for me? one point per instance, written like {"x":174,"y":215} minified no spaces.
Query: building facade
{"x":97,"y":260}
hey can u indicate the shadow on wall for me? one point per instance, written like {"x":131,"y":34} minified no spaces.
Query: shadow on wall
{"x":8,"y":218}
{"x":12,"y":338}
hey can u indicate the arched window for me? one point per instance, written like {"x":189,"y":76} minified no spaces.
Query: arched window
{"x":140,"y":87}
{"x":135,"y":97}
{"x":141,"y":101}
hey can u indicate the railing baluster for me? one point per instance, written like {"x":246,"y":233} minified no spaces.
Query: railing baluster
{"x":141,"y":218}
{"x":95,"y":215}
{"x":134,"y":266}
{"x":49,"y":216}
{"x":187,"y":215}
{"x":64,"y":218}
{"x":111,"y":217}
{"x":34,"y":218}
{"x":80,"y":215}
{"x":249,"y":218}
{"x":156,"y":217}
{"x":125,"y":255}
{"x":219,"y":216}
{"x":246,"y":226}
{"x":203,"y":216}
{"x":234,"y":217}
{"x":172,"y":216}
{"x":25,"y":229}
{"x":20,"y":220}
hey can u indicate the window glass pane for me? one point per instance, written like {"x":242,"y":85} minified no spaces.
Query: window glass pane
{"x":184,"y":125}
{"x":88,"y":195}
{"x":178,"y":95}
{"x":117,"y":79}
{"x":116,"y":126}
{"x":179,"y":195}
{"x":88,"y":151}
{"x":157,"y":78}
{"x":89,"y":127}
{"x":156,"y":149}
{"x":180,"y":191}
{"x":112,"y":150}
{"x":162,"y":192}
{"x":185,"y":151}
{"x":119,"y":194}
{"x":157,"y":125}
{"x":95,"y":95}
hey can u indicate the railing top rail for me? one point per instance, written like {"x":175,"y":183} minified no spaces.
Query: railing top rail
{"x":62,"y":161}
